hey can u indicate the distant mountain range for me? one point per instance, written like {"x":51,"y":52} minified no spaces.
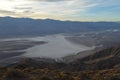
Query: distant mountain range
{"x":26,"y":26}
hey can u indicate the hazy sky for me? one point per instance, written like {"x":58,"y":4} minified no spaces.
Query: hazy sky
{"x":80,"y":10}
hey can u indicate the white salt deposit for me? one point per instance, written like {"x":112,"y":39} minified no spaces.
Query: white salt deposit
{"x":56,"y":47}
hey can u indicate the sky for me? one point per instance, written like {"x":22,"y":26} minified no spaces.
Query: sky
{"x":75,"y":10}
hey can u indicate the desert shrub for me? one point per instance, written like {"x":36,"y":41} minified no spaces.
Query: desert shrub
{"x":14,"y":74}
{"x":45,"y":78}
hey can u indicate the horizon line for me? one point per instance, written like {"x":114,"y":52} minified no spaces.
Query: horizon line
{"x":55,"y":19}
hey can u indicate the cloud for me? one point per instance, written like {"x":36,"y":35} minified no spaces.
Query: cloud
{"x":60,"y":9}
{"x":28,"y":11}
{"x":50,"y":8}
{"x":23,"y":7}
{"x":44,"y":0}
{"x":6,"y":12}
{"x":51,"y":0}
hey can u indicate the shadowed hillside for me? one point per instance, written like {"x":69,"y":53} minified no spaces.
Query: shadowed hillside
{"x":104,"y":59}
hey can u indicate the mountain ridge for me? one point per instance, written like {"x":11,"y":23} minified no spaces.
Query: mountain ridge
{"x":26,"y":26}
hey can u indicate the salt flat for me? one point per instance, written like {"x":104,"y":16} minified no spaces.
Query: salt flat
{"x":56,"y":47}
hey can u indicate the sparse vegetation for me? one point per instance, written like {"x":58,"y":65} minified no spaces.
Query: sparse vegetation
{"x":48,"y":74}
